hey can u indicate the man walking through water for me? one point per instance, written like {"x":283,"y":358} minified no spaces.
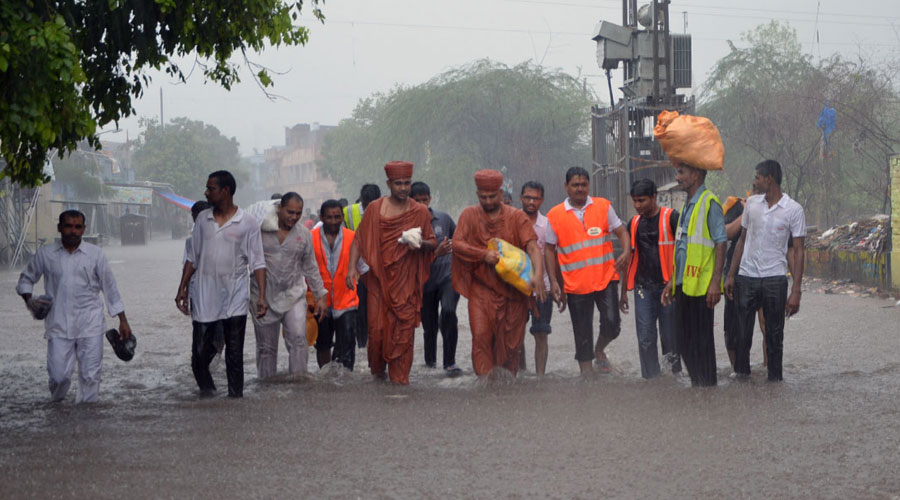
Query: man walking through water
{"x":652,"y":233}
{"x":579,"y":247}
{"x":696,"y":285}
{"x":352,"y":218}
{"x":761,"y":265}
{"x":226,"y":246}
{"x":532,"y":197}
{"x":290,"y":266}
{"x":337,"y":327}
{"x":438,"y":290}
{"x":497,"y":311}
{"x":396,"y":240}
{"x":75,"y":272}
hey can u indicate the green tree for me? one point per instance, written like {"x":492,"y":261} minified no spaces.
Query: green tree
{"x":766,"y":98}
{"x":530,"y":120}
{"x":184,"y":153}
{"x":67,"y":66}
{"x":81,"y":173}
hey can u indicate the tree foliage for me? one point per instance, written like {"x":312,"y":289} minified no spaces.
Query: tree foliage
{"x":766,"y":99}
{"x":67,"y":66}
{"x":532,"y":121}
{"x":81,"y":173}
{"x":183,"y":153}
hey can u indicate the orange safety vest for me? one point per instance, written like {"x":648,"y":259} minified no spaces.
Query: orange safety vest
{"x":584,"y":249}
{"x":666,"y":246}
{"x":339,"y":296}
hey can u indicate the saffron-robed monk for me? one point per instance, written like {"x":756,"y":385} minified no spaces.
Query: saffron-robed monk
{"x":396,"y":240}
{"x":497,"y":311}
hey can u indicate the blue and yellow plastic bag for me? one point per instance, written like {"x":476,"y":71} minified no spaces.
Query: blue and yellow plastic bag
{"x":514,"y":266}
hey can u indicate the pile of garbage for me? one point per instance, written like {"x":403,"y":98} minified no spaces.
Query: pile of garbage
{"x":869,"y":235}
{"x":847,"y":287}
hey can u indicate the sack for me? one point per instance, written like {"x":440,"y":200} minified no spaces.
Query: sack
{"x":692,"y":140}
{"x":514,"y":266}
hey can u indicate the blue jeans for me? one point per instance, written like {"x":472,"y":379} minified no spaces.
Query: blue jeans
{"x":648,"y":311}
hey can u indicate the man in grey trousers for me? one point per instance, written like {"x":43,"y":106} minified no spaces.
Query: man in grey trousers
{"x":290,"y":265}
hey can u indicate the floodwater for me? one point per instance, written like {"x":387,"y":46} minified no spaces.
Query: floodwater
{"x":831,"y":430}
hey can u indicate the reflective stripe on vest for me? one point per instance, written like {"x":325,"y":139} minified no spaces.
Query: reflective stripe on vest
{"x":666,"y":244}
{"x":584,"y":244}
{"x":701,"y":249}
{"x":339,"y":296}
{"x":586,"y":262}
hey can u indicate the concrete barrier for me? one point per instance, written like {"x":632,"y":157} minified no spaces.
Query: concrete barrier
{"x":862,"y":267}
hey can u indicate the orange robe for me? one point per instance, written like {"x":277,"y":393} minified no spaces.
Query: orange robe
{"x":394,"y":282}
{"x":497,"y":311}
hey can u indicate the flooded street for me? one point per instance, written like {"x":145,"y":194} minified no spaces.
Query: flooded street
{"x":831,"y":430}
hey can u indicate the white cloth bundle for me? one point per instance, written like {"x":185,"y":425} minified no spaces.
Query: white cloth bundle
{"x":412,"y":237}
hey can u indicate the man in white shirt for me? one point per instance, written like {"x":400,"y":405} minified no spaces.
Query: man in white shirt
{"x":760,"y":263}
{"x":225,"y":242}
{"x":74,"y":274}
{"x":290,"y":265}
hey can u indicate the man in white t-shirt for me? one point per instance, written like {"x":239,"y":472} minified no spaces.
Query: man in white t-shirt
{"x":225,"y":243}
{"x":761,"y":263}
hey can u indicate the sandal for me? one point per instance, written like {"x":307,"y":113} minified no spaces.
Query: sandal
{"x":601,"y":365}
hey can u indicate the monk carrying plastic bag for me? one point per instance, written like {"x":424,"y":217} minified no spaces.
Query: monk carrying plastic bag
{"x":514,"y":266}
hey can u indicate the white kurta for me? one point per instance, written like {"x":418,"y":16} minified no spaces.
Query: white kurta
{"x":75,"y":325}
{"x":74,"y":281}
{"x":223,"y":258}
{"x":290,"y":266}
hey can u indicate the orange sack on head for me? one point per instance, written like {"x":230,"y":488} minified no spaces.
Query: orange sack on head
{"x":692,"y":140}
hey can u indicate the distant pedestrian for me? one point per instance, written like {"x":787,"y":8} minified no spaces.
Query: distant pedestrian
{"x":761,"y":266}
{"x":196,"y":208}
{"x":438,"y":291}
{"x":352,"y":218}
{"x":75,"y":273}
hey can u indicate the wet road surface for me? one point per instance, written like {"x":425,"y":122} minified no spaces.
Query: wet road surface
{"x":831,"y":430}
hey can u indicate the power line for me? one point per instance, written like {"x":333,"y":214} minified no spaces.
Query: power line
{"x":814,"y":21}
{"x":531,"y":31}
{"x":729,"y":8}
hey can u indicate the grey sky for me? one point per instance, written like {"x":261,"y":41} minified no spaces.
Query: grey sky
{"x":367,"y":46}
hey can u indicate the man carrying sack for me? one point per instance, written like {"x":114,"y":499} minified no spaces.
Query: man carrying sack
{"x":694,"y":146}
{"x":498,"y":311}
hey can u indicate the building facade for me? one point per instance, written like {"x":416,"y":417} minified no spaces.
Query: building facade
{"x":296,"y":166}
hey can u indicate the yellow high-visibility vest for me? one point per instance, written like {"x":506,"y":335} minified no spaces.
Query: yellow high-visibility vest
{"x":353,"y":216}
{"x":701,"y":249}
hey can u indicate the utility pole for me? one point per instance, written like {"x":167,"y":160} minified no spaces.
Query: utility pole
{"x":655,"y":64}
{"x":162,"y":121}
